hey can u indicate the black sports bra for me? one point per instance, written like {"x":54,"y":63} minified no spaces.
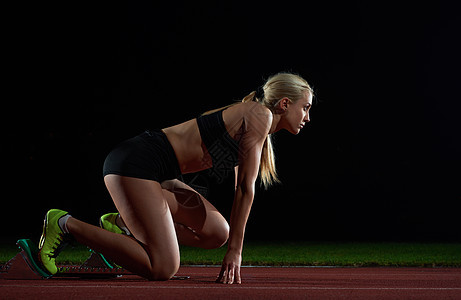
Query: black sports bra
{"x":222,"y":148}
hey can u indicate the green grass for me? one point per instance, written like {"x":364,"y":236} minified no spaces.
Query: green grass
{"x":305,"y":254}
{"x":335,"y":254}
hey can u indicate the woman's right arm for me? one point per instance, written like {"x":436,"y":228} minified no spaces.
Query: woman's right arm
{"x":249,"y":160}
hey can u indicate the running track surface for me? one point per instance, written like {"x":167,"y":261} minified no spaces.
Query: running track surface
{"x":258,"y":283}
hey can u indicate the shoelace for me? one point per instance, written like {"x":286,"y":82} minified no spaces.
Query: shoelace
{"x":61,"y":242}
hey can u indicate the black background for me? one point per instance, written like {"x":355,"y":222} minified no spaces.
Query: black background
{"x":380,"y":159}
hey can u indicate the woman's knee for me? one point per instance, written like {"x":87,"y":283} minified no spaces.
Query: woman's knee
{"x":165,"y":270}
{"x":223,"y":234}
{"x":218,"y":237}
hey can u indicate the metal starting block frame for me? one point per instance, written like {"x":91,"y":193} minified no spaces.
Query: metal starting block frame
{"x":24,"y":265}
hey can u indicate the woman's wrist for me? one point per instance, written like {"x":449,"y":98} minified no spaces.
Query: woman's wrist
{"x":234,"y":250}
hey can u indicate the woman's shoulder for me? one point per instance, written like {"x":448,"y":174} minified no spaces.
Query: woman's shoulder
{"x":258,"y":115}
{"x":251,"y":111}
{"x":252,"y":116}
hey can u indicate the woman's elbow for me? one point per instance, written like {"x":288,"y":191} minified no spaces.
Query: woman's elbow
{"x":246,"y":189}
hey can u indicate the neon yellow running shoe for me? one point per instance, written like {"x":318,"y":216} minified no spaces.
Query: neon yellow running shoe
{"x":52,"y":241}
{"x":108,"y":222}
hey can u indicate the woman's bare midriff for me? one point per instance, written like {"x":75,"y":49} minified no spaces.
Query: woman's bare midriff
{"x":188,"y":147}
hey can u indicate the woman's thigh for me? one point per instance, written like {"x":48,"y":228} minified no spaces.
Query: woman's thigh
{"x":145,"y":211}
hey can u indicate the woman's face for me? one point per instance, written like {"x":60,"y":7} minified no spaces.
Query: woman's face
{"x":297,"y":113}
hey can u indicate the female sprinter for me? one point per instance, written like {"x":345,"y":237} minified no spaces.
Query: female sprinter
{"x":140,"y":176}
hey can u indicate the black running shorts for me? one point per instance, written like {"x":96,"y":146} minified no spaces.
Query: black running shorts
{"x":146,"y":156}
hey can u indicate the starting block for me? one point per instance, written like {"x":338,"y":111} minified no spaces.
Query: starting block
{"x":25,"y":265}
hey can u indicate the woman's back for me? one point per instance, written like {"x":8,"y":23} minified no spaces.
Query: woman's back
{"x":187,"y":141}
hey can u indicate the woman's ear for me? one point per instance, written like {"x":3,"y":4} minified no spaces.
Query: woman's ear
{"x":284,"y":103}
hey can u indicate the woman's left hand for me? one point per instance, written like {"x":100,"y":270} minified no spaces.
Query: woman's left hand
{"x":230,"y":270}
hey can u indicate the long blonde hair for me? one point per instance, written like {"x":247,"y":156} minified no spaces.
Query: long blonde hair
{"x":276,"y":87}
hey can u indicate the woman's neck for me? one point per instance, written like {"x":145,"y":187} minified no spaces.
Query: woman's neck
{"x":276,"y":125}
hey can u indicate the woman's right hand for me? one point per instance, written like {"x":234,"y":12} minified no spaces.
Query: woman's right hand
{"x":230,"y":270}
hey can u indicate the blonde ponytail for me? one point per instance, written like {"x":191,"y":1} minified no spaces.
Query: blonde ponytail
{"x":250,"y":97}
{"x":267,"y":171}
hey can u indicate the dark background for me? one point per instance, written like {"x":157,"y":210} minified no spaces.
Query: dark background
{"x":380,"y":159}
